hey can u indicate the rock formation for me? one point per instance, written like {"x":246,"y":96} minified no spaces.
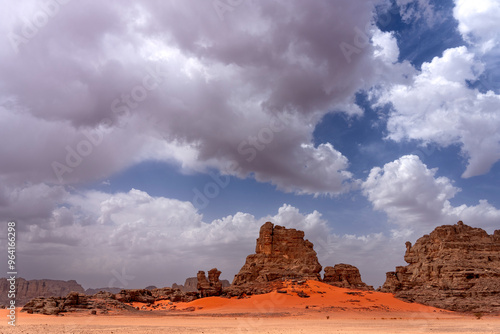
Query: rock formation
{"x":105,"y":301}
{"x":345,"y":276}
{"x":27,"y":290}
{"x":280,"y":253}
{"x":75,"y":302}
{"x":191,"y":284}
{"x":456,"y":267}
{"x":210,"y":287}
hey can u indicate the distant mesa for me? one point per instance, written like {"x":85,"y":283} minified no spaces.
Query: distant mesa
{"x":190,"y":285}
{"x":29,"y":289}
{"x":456,"y":267}
{"x":280,"y":253}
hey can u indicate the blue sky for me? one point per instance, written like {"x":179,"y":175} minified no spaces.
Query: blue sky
{"x":144,"y":141}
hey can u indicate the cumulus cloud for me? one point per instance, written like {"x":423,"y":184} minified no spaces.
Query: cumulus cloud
{"x":134,"y":239}
{"x":93,"y":235}
{"x":416,"y":200}
{"x":478,"y":22}
{"x":439,"y":106}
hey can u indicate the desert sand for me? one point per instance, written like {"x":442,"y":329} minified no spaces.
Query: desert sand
{"x":328,"y":309}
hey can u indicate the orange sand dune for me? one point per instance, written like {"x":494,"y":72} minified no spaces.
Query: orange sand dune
{"x":322,"y":297}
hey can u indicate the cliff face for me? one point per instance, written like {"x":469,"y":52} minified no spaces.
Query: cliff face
{"x":27,"y":290}
{"x":279,"y":253}
{"x":456,"y":267}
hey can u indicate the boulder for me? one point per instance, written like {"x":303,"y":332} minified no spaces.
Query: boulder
{"x":345,"y":276}
{"x":456,"y":267}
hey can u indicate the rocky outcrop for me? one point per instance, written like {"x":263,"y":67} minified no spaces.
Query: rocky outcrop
{"x":280,"y":253}
{"x":135,"y":295}
{"x":345,"y":276}
{"x":210,"y":287}
{"x":174,"y":295}
{"x":456,"y":267}
{"x":191,"y":284}
{"x":76,"y":302}
{"x":103,"y":302}
{"x":29,"y":289}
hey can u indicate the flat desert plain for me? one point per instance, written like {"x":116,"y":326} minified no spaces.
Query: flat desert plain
{"x":328,"y":309}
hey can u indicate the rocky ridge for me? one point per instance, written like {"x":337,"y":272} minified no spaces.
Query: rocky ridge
{"x":29,"y":289}
{"x":455,"y":267}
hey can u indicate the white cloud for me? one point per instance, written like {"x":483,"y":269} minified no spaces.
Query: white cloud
{"x":478,"y":22}
{"x":414,"y":10}
{"x":97,"y":237}
{"x":386,"y":46}
{"x":417,"y":201}
{"x":439,"y":107}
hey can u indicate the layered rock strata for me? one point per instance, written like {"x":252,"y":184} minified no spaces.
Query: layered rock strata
{"x":280,"y":253}
{"x":29,"y":289}
{"x":456,"y":267}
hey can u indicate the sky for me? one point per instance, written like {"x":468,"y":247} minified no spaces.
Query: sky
{"x":142,"y":141}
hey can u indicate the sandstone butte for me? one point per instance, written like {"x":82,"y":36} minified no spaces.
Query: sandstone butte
{"x":456,"y":267}
{"x":280,"y":253}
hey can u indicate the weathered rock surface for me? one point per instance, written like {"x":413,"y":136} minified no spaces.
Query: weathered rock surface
{"x":105,"y":301}
{"x":456,"y":267}
{"x":280,"y":253}
{"x":29,"y":289}
{"x":191,"y":284}
{"x":210,"y":287}
{"x":75,"y":302}
{"x":135,"y":295}
{"x":345,"y":276}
